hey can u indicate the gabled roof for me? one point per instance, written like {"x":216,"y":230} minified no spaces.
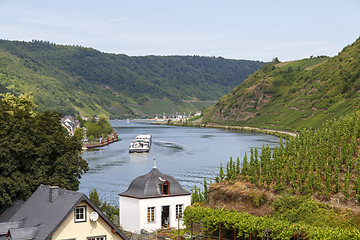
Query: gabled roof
{"x":150,"y":186}
{"x":23,"y":233}
{"x":47,"y":211}
{"x":5,"y":226}
{"x":10,"y":211}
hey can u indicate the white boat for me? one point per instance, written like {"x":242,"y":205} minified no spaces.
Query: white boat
{"x":141,"y":143}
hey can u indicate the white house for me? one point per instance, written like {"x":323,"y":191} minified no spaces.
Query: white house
{"x":153,"y":201}
{"x":71,"y":124}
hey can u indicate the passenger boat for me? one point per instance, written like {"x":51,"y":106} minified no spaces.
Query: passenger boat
{"x":141,"y":143}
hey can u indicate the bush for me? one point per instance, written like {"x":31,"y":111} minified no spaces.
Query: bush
{"x":258,"y":199}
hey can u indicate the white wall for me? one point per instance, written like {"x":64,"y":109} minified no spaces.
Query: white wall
{"x":133,"y":212}
{"x":129,"y":214}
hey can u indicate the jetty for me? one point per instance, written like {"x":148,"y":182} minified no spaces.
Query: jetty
{"x":113,"y":138}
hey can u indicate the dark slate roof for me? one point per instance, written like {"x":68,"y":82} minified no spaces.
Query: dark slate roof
{"x":150,"y":186}
{"x":9,"y":212}
{"x":5,"y":226}
{"x":48,"y":214}
{"x":23,"y":233}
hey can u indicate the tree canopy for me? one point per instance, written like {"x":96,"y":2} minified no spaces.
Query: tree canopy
{"x":34,"y":149}
{"x":96,"y":129}
{"x":112,"y":212}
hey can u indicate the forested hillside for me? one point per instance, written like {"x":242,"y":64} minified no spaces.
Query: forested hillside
{"x":293,"y":95}
{"x":73,"y":79}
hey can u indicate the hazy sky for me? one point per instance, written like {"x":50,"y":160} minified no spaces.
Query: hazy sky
{"x":237,"y":29}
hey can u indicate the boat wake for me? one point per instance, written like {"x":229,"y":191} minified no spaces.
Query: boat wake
{"x":176,"y":147}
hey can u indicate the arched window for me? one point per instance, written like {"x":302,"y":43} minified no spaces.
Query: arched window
{"x":166,"y":188}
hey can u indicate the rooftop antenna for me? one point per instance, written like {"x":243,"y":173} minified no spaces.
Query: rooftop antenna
{"x":154,"y":163}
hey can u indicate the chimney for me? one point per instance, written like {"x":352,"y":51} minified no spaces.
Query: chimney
{"x":53,"y":193}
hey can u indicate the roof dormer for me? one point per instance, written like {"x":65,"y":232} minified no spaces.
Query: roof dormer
{"x":166,"y":188}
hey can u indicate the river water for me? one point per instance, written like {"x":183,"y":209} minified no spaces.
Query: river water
{"x":188,"y":154}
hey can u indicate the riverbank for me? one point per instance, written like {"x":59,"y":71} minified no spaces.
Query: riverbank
{"x":279,"y":133}
{"x":113,"y":138}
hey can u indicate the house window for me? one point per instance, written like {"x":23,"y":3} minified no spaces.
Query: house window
{"x":166,"y":188}
{"x":96,"y":238}
{"x":179,"y":211}
{"x":80,"y":214}
{"x":151,"y":214}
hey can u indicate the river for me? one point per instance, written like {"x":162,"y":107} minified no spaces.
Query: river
{"x":186,"y":153}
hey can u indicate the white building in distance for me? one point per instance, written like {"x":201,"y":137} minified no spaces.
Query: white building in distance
{"x":153,"y":201}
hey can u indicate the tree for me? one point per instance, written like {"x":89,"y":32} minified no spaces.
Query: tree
{"x":34,"y":149}
{"x":221,"y":173}
{"x":275,"y":60}
{"x":112,"y":212}
{"x":97,"y":129}
{"x":197,"y":195}
{"x":205,"y":194}
{"x":94,"y":198}
{"x":237,"y":171}
{"x":228,"y":170}
{"x":244,"y":167}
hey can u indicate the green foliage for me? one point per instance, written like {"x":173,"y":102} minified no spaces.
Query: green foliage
{"x":221,"y":173}
{"x":112,"y":212}
{"x":34,"y":149}
{"x":322,"y":161}
{"x":276,"y":60}
{"x":76,"y":80}
{"x":237,"y":169}
{"x":305,"y":210}
{"x":305,"y":219}
{"x":94,"y":198}
{"x":231,"y":170}
{"x":198,"y":195}
{"x":258,"y":199}
{"x":96,"y":129}
{"x":205,"y":192}
{"x":79,"y":134}
{"x":293,"y":95}
{"x":244,"y":168}
{"x":195,"y":118}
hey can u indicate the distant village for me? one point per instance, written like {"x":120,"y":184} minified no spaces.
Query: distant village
{"x":71,"y":123}
{"x":174,"y":117}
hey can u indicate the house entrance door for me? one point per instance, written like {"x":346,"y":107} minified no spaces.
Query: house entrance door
{"x":165,"y":212}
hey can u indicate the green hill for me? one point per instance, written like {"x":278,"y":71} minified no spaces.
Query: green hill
{"x":293,"y":95}
{"x":73,"y":79}
{"x":305,"y":188}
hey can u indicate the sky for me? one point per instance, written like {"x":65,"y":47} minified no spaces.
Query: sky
{"x":233,"y":29}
